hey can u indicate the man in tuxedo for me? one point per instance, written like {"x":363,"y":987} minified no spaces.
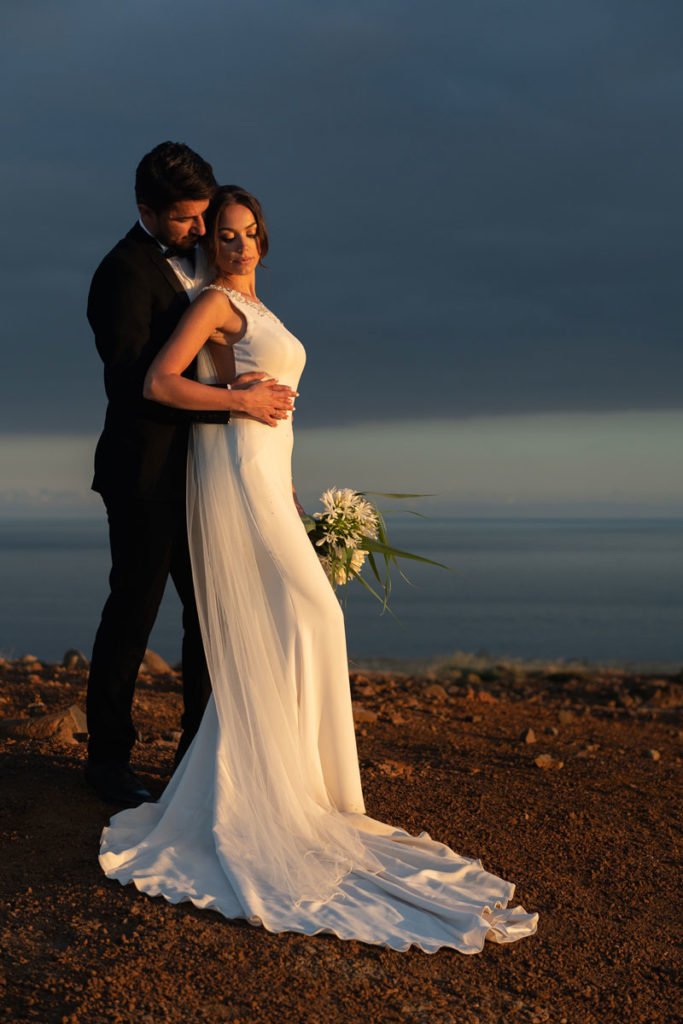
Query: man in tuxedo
{"x":138,"y":294}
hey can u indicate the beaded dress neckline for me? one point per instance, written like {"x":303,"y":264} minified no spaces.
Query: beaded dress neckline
{"x":254,"y":304}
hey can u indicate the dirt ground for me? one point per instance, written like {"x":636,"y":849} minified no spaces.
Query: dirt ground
{"x":588,"y":834}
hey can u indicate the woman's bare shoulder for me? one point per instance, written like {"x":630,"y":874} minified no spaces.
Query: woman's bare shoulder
{"x":211,"y":297}
{"x":217,"y":298}
{"x":227,"y":322}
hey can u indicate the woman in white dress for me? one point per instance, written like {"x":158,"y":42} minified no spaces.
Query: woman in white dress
{"x":264,"y":818}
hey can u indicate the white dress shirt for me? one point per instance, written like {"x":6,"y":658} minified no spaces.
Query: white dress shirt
{"x":192,"y":279}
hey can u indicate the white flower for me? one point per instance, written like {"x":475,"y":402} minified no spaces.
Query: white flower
{"x":357,"y":560}
{"x":346,"y":521}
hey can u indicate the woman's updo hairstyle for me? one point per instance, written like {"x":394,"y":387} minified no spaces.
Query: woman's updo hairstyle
{"x":233,"y":195}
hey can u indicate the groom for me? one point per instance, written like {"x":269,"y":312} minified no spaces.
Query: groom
{"x":138,"y":294}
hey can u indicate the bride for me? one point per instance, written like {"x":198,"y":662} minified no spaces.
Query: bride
{"x":264,"y":817}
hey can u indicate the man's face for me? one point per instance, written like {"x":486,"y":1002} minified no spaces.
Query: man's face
{"x":181,"y":224}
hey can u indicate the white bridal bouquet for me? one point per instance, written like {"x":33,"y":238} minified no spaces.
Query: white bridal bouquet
{"x":349,"y":530}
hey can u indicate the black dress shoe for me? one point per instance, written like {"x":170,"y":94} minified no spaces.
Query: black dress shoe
{"x":117,"y":784}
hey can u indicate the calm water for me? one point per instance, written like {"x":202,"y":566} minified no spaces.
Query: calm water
{"x":601,"y":590}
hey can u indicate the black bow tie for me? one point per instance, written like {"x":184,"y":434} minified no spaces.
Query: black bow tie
{"x":174,"y":251}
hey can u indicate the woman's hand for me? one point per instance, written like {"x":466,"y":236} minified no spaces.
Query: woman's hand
{"x":264,"y":399}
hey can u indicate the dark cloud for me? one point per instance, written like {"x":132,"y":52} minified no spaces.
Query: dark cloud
{"x":474,"y":207}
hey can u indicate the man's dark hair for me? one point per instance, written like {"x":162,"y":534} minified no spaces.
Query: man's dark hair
{"x":171,"y":173}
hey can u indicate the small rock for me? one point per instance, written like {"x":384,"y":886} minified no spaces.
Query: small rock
{"x":398,"y":719}
{"x":486,"y":698}
{"x":361,"y":714}
{"x":435,"y":690}
{"x":654,"y":755}
{"x":472,"y":679}
{"x":565,"y":717}
{"x":75,"y":659}
{"x":529,"y":736}
{"x":79,"y":719}
{"x":546,"y":762}
{"x":588,"y":750}
{"x":155,"y":664}
{"x":65,"y":726}
{"x":551,"y":730}
{"x":396,"y":768}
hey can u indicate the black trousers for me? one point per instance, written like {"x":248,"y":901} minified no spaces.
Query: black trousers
{"x":148,"y":543}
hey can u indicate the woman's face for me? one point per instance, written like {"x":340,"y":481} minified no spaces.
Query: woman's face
{"x":238,"y":249}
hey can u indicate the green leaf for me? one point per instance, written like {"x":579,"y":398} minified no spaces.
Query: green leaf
{"x":395,"y":494}
{"x":382,"y":600}
{"x":368,"y":544}
{"x":373,"y":565}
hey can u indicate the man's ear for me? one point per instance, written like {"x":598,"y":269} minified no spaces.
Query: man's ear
{"x":147,"y":216}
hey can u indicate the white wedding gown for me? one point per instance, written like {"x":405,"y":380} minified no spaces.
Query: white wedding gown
{"x":264,"y":818}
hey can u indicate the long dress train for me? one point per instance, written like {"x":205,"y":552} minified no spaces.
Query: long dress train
{"x":264,"y":818}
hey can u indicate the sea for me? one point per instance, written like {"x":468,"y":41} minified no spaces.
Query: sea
{"x":602,"y":590}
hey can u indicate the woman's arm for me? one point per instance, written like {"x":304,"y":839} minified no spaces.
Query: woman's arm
{"x":265,"y":400}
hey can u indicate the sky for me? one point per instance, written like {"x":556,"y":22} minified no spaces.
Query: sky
{"x":475,"y":219}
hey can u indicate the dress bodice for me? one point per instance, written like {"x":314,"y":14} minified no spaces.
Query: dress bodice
{"x":266,"y":345}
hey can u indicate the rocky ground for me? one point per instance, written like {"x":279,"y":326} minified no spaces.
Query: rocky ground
{"x":562,"y":779}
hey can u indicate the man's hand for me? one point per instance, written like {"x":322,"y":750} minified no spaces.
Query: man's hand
{"x":264,"y":399}
{"x":245,"y":380}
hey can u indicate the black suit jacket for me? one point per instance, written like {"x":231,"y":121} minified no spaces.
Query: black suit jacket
{"x":134,"y":305}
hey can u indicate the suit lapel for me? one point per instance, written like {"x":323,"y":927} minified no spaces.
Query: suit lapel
{"x":156,"y":257}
